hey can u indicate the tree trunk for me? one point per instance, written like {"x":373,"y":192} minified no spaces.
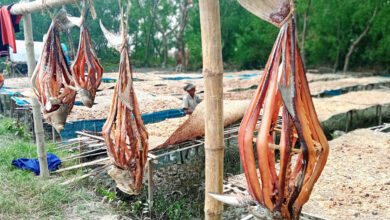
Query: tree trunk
{"x":304,"y":32}
{"x":149,"y":34}
{"x":357,"y":41}
{"x":336,"y":63}
{"x":70,"y":40}
{"x":165,"y":53}
{"x":181,"y":48}
{"x":38,"y":125}
{"x":213,"y":72}
{"x":146,"y":56}
{"x":182,"y":27}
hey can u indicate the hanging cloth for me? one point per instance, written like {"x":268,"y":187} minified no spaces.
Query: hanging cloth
{"x":8,"y":23}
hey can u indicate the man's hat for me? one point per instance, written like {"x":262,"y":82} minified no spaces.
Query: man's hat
{"x":189,"y":87}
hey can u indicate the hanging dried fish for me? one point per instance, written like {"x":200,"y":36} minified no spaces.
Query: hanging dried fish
{"x":124,"y":131}
{"x":1,"y":81}
{"x":283,"y":88}
{"x":50,"y":81}
{"x":86,"y":85}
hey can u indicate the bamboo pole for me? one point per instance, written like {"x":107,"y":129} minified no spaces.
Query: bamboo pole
{"x":31,"y":7}
{"x":38,"y":125}
{"x":213,"y":72}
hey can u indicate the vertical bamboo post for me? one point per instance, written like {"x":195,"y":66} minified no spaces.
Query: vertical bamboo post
{"x":379,"y":114}
{"x":38,"y":125}
{"x":53,"y":134}
{"x":212,"y":72}
{"x":150,"y":184}
{"x":12,"y":109}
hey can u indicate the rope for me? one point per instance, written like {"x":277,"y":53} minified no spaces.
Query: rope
{"x":288,"y":17}
{"x":46,"y":7}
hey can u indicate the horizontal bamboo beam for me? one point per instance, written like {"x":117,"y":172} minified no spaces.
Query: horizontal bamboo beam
{"x":31,"y":7}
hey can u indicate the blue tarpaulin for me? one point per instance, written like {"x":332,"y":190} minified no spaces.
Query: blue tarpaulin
{"x":334,"y":92}
{"x":182,"y":77}
{"x":33,"y":164}
{"x":97,"y":124}
{"x":248,"y":76}
{"x":13,"y":95}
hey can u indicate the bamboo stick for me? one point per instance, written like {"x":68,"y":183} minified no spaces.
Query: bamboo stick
{"x":93,"y":172}
{"x":31,"y":7}
{"x":83,"y":165}
{"x":213,"y":72}
{"x":38,"y":124}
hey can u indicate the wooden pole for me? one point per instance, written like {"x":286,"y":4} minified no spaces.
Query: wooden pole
{"x":212,"y":72}
{"x":38,"y":125}
{"x":30,"y":7}
{"x":12,"y":109}
{"x":150,"y":184}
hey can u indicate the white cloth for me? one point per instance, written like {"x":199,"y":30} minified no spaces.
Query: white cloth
{"x":190,"y":102}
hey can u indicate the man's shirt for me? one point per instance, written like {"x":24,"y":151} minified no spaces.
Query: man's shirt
{"x":190,"y":102}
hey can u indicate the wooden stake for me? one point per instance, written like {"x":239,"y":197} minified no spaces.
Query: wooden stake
{"x":53,"y":133}
{"x":348,"y":122}
{"x":12,"y":108}
{"x":150,"y":184}
{"x":379,"y":114}
{"x":38,"y":125}
{"x":93,"y":172}
{"x":212,"y":72}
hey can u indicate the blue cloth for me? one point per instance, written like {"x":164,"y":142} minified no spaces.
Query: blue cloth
{"x":33,"y":164}
{"x":97,"y":124}
{"x":66,"y":52}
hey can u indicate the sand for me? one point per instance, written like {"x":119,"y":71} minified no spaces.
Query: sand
{"x":355,"y":183}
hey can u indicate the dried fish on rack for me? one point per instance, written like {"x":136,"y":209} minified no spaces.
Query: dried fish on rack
{"x":124,"y":131}
{"x":50,"y":81}
{"x":86,"y":85}
{"x":1,"y":81}
{"x":283,"y":89}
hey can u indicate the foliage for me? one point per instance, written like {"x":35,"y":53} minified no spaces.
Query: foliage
{"x":106,"y":193}
{"x":246,"y":40}
{"x":27,"y":196}
{"x":16,"y":128}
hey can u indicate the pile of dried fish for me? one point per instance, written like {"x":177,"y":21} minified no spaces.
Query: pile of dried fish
{"x":86,"y":85}
{"x":283,"y":87}
{"x":124,"y":131}
{"x":50,"y":81}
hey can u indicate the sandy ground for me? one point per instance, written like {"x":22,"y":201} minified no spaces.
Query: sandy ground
{"x":355,"y":183}
{"x":328,"y":107}
{"x":156,"y":94}
{"x":318,"y":87}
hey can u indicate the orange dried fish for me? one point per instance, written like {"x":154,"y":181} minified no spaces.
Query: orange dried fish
{"x":1,"y":81}
{"x":284,"y":88}
{"x":50,"y":81}
{"x":86,"y":85}
{"x":124,"y":132}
